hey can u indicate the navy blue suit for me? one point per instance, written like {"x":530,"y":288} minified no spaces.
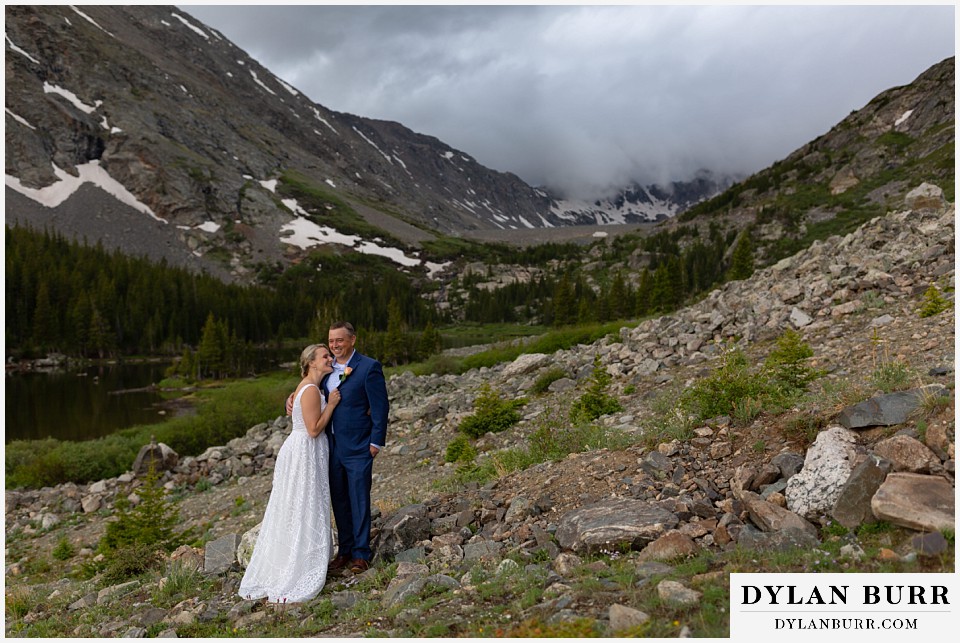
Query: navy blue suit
{"x":359,"y":420}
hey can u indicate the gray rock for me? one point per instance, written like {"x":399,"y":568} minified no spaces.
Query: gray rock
{"x":247,"y":543}
{"x":852,"y":508}
{"x":345,"y":600}
{"x":135,"y":633}
{"x":611,"y":523}
{"x":925,"y":196}
{"x":526,"y":363}
{"x":789,"y":463}
{"x":566,"y":563}
{"x":561,"y":385}
{"x":108,"y":594}
{"x":784,"y":540}
{"x":412,"y":555}
{"x":772,"y":518}
{"x":220,"y":555}
{"x":676,"y":594}
{"x":404,"y":529}
{"x":887,"y":410}
{"x":159,"y":455}
{"x":932,"y":544}
{"x":622,"y":617}
{"x":799,"y":319}
{"x":90,"y":504}
{"x":82,"y":603}
{"x":907,"y":454}
{"x":915,"y":501}
{"x":481,"y":550}
{"x":398,"y":590}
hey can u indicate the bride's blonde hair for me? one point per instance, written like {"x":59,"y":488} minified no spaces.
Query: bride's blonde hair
{"x":307,"y":356}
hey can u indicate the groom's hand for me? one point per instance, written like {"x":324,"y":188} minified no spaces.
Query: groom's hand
{"x":374,"y":451}
{"x":289,"y":405}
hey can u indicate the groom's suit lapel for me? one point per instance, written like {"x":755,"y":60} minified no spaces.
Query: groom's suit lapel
{"x":354,"y":362}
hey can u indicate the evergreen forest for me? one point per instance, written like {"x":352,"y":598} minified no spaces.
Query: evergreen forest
{"x":85,"y":301}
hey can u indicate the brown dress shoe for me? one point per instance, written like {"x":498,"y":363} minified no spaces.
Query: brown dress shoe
{"x":338,"y":564}
{"x":359,"y":565}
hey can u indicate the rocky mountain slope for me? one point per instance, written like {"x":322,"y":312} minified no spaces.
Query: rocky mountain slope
{"x":864,"y":166}
{"x":633,"y":538}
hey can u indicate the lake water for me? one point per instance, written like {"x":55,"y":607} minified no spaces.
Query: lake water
{"x":81,"y":405}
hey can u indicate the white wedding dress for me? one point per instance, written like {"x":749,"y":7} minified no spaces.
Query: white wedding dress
{"x":290,"y":558}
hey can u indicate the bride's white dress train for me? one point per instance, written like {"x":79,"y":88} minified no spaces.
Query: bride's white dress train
{"x":290,"y":558}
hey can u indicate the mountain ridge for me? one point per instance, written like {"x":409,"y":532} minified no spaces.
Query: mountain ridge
{"x":191,"y":126}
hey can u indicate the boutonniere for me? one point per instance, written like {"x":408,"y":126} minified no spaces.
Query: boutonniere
{"x":346,"y":373}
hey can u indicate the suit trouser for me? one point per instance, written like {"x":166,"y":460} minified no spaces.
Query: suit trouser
{"x":351,"y":478}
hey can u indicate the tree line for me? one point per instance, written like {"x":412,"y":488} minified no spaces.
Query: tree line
{"x":83,"y":300}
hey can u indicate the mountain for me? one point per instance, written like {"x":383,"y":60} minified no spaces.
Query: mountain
{"x":862,"y":168}
{"x":142,"y":127}
{"x":637,"y":203}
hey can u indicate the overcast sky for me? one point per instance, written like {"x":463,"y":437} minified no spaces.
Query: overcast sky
{"x":582,"y":97}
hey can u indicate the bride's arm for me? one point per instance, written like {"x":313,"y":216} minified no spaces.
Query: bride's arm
{"x":325,"y":414}
{"x":316,"y":414}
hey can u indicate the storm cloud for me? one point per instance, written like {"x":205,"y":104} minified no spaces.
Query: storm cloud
{"x":585,"y":98}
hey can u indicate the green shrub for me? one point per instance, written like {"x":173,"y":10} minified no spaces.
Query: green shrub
{"x":736,"y":390}
{"x":718,"y":393}
{"x":150,"y":523}
{"x":934,"y":302}
{"x":64,"y":549}
{"x":130,"y":561}
{"x":460,"y":450}
{"x":787,"y":362}
{"x":544,"y":380}
{"x":491,"y":414}
{"x":595,"y":401}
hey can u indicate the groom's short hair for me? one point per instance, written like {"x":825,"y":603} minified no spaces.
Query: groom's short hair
{"x":345,"y":325}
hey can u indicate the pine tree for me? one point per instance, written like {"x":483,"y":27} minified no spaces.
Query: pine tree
{"x":741,"y":263}
{"x":395,"y":351}
{"x":44,"y":318}
{"x":210,"y":352}
{"x":101,"y":337}
{"x":151,"y":522}
{"x":430,"y":341}
{"x":644,"y":294}
{"x":564,"y":306}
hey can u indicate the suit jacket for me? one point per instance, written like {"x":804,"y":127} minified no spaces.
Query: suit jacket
{"x":361,"y":416}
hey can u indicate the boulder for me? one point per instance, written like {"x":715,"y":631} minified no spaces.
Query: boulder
{"x":162,"y":457}
{"x":247,"y":542}
{"x":889,"y":409}
{"x":403,"y":530}
{"x":613,"y":523}
{"x":828,"y":464}
{"x":907,"y":454}
{"x":852,"y":508}
{"x":915,"y":501}
{"x":220,"y":555}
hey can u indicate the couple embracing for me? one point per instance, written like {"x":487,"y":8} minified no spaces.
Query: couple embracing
{"x":339,"y":412}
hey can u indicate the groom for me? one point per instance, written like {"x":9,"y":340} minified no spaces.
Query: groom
{"x":358,"y":430}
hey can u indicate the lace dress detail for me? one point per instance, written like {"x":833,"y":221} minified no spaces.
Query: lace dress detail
{"x":290,"y":558}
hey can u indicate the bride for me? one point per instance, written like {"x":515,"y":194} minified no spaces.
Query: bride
{"x":289,"y":561}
